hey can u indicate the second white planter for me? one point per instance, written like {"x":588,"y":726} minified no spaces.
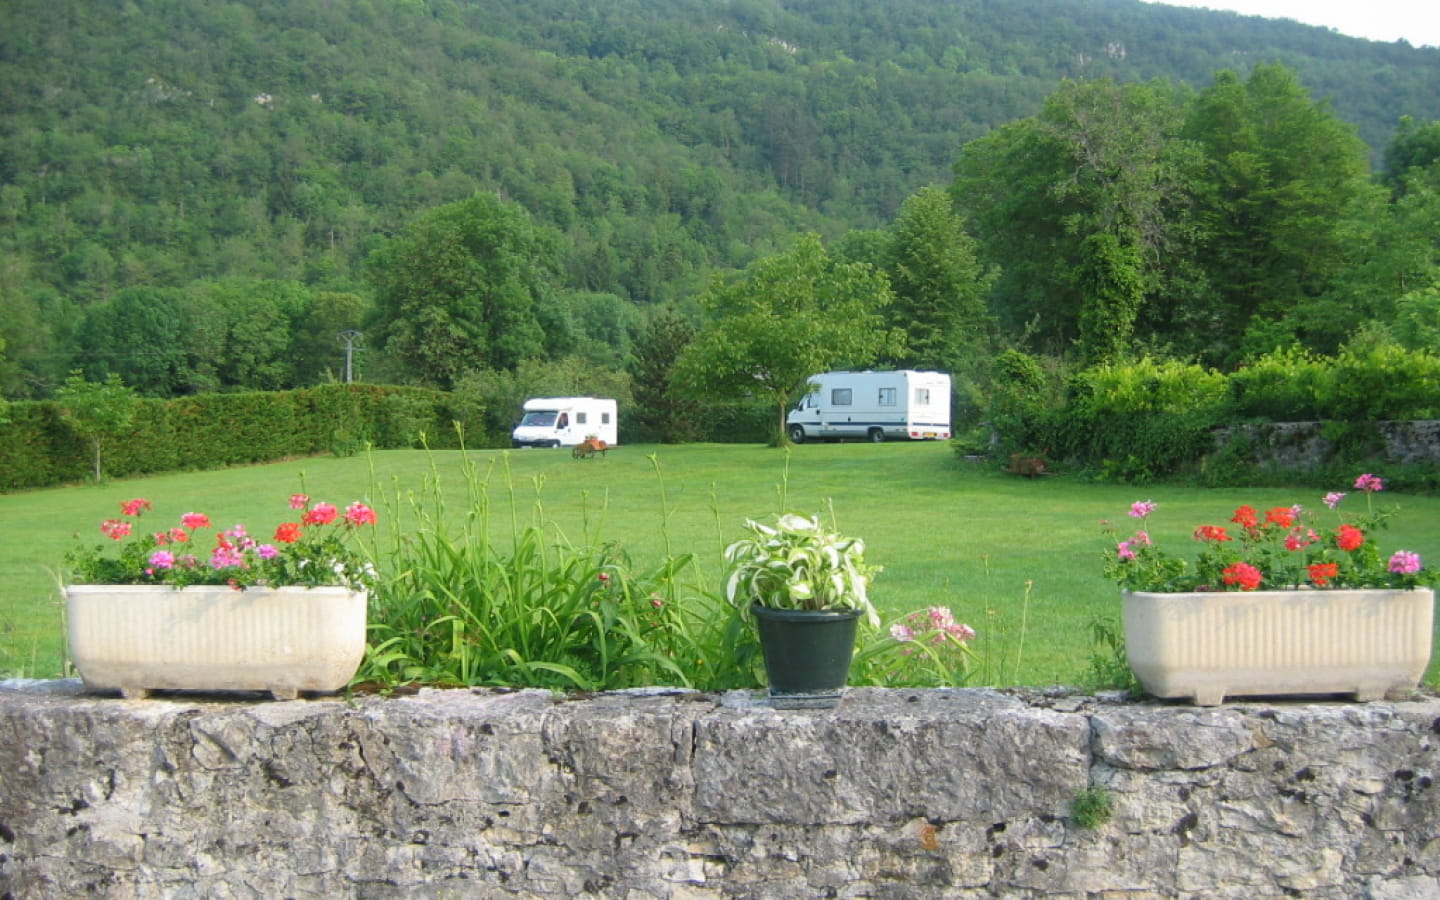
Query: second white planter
{"x":139,"y":638}
{"x":1208,"y":646}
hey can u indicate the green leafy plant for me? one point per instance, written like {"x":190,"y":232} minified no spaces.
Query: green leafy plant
{"x":798,"y":564}
{"x":1092,"y":807}
{"x":1109,"y":667}
{"x":313,"y":551}
{"x":538,"y":610}
{"x":1285,"y":547}
{"x":925,"y":648}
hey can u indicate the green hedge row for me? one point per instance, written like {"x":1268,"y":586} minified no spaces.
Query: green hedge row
{"x":1139,"y":420}
{"x":206,"y":431}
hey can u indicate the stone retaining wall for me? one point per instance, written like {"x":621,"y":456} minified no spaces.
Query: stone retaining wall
{"x":895,"y":794}
{"x":1304,"y":446}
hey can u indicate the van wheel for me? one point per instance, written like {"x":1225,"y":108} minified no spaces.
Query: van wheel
{"x":797,"y":434}
{"x":876,"y":436}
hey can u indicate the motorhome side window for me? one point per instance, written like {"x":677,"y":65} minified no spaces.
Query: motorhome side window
{"x":840,"y":397}
{"x":604,"y":418}
{"x":580,"y":418}
{"x":887,"y":396}
{"x":922,"y":396}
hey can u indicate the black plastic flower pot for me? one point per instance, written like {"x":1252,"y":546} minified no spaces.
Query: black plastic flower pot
{"x":807,"y":653}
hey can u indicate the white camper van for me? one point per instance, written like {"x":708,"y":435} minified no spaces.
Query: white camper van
{"x":873,"y":406}
{"x":565,"y":422}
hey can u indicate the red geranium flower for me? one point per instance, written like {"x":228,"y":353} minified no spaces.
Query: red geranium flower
{"x":1283,"y":516}
{"x":288,"y":532}
{"x":1243,"y":574}
{"x":1212,"y":533}
{"x":134,"y":507}
{"x":1321,"y":573}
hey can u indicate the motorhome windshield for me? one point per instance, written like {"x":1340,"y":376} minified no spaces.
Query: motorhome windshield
{"x":543,"y":418}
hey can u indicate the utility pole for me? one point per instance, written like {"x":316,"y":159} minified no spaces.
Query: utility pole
{"x":351,"y":339}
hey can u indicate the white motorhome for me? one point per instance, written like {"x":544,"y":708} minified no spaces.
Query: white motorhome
{"x":566,"y":421}
{"x":873,"y":406}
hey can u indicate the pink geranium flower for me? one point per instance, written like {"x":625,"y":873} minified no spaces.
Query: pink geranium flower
{"x":1405,"y":562}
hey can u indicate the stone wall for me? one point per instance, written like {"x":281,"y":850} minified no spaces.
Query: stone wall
{"x":1304,"y":446}
{"x":894,"y":794}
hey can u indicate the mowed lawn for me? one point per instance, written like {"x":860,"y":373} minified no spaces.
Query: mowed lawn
{"x":1019,"y":559}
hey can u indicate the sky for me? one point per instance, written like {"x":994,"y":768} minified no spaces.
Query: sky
{"x":1417,"y":21}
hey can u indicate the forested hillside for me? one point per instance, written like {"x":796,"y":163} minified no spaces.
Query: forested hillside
{"x":191,"y":191}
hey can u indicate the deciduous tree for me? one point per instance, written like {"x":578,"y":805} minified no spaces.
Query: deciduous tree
{"x":1283,"y":174}
{"x":97,"y":410}
{"x":785,"y":318}
{"x":1100,"y":158}
{"x":458,"y":289}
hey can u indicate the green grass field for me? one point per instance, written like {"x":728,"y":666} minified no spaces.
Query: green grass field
{"x":1018,"y":559}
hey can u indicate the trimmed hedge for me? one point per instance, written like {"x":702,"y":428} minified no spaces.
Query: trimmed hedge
{"x":1145,"y":419}
{"x":38,"y":449}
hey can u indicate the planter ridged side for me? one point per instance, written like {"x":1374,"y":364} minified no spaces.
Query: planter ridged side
{"x":1205,"y":646}
{"x":139,"y":638}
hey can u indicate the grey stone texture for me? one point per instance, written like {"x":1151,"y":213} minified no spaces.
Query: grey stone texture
{"x":1303,"y":445}
{"x":656,"y":794}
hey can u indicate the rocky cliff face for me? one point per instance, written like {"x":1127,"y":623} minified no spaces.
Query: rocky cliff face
{"x":897,"y":794}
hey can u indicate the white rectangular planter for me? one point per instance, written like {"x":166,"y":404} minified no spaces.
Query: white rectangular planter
{"x":138,"y":638}
{"x":1210,"y":645}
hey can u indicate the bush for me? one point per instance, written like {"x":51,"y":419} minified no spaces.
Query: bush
{"x":38,"y":449}
{"x":1281,"y":386}
{"x":1019,"y":404}
{"x":1381,"y":383}
{"x":1142,"y":420}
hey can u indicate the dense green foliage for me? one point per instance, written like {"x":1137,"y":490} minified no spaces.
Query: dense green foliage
{"x":190,"y":191}
{"x":39,"y":446}
{"x":1220,"y":224}
{"x":1149,"y":418}
{"x":781,"y":321}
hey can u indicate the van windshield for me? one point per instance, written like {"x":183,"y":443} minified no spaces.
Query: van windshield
{"x":543,"y":418}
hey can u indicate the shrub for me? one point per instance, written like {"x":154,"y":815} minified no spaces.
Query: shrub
{"x":1141,"y":420}
{"x":1147,"y":386}
{"x":1382,"y":382}
{"x":1020,"y":400}
{"x":1281,"y":386}
{"x":39,"y":449}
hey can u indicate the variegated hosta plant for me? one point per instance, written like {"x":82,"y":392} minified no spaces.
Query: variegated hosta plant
{"x":797,"y":564}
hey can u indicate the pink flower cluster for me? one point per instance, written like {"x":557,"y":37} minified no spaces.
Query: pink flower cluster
{"x":235,"y":550}
{"x":937,"y":624}
{"x":1404,"y":562}
{"x":1277,"y":549}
